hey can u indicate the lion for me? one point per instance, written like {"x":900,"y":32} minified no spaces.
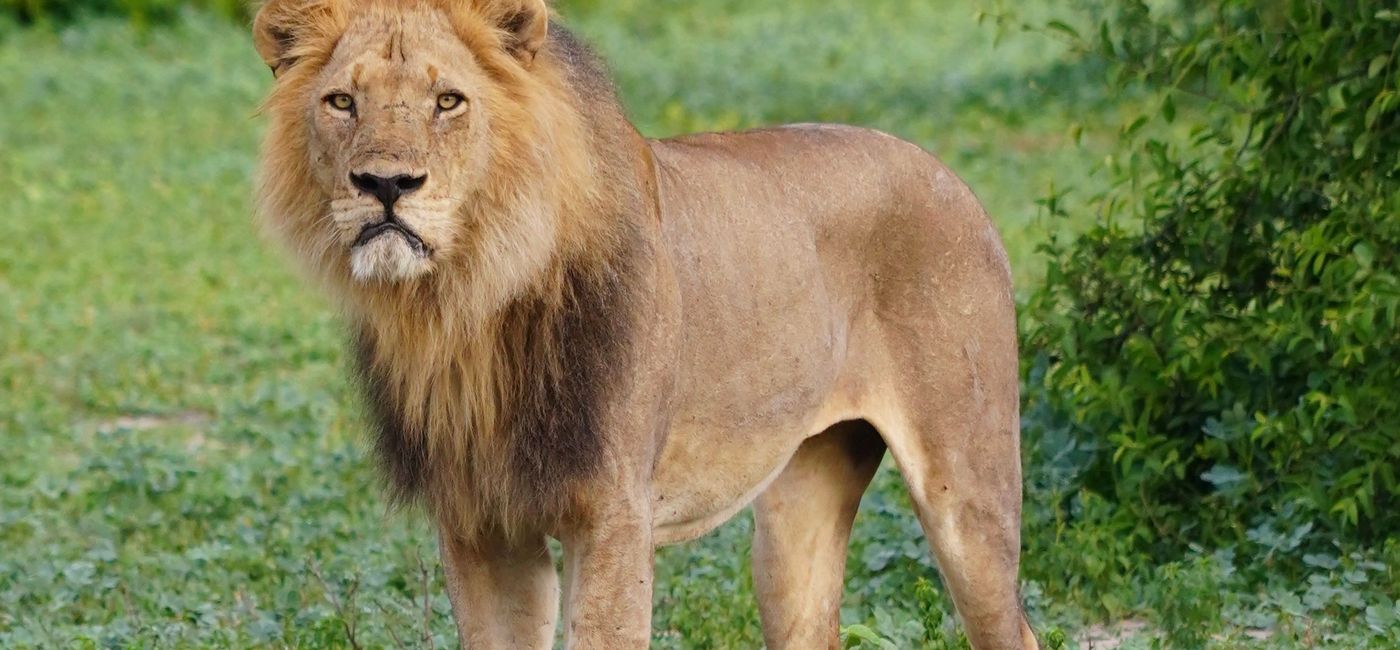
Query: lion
{"x":565,"y":329}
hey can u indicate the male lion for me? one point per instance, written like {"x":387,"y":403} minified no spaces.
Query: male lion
{"x":567,"y":330}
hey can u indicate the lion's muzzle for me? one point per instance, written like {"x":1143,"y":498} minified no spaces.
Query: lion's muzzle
{"x":389,"y":189}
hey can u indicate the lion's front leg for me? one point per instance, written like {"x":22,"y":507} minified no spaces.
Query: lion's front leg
{"x":504,"y":595}
{"x":608,"y":581}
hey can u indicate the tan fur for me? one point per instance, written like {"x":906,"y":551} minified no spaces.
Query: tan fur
{"x":620,"y":342}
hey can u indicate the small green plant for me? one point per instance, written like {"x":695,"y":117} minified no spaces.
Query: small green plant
{"x":862,"y":637}
{"x":1188,"y":599}
{"x":1054,"y":638}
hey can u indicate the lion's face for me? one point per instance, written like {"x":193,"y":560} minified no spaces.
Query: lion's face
{"x":398,"y":140}
{"x":401,"y":133}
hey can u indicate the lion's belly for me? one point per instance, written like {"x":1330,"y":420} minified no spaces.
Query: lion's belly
{"x":736,"y":428}
{"x":703,"y":480}
{"x":708,"y":473}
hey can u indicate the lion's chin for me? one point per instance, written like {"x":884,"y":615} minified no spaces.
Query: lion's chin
{"x":387,"y":258}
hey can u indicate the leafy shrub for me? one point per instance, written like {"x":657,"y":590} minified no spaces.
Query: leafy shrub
{"x":1220,"y":355}
{"x":139,"y":11}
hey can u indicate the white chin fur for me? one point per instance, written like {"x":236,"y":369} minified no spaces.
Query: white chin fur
{"x":386,"y":257}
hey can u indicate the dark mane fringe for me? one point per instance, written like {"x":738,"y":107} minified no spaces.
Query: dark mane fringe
{"x":567,"y":358}
{"x":402,"y":453}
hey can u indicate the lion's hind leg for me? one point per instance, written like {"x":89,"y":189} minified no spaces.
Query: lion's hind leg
{"x":955,"y":436}
{"x":969,"y":508}
{"x":802,"y":526}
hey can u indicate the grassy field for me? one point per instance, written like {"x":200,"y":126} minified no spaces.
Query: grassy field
{"x":180,"y":452}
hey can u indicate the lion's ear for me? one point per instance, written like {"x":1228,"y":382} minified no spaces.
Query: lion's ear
{"x":525,"y":23}
{"x":282,"y":25}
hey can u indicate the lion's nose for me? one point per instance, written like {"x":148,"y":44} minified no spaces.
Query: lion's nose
{"x":387,"y":190}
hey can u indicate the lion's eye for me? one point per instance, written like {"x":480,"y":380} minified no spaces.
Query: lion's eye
{"x":341,"y":101}
{"x":449,"y":101}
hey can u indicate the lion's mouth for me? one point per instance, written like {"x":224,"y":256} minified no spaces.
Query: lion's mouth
{"x":373,"y":231}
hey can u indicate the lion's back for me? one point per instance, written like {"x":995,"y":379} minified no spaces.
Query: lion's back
{"x":825,"y":222}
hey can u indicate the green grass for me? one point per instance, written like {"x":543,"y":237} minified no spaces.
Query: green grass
{"x":180,"y":452}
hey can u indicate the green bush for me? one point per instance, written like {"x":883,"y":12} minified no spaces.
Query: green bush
{"x":140,"y":12}
{"x":1220,"y":356}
